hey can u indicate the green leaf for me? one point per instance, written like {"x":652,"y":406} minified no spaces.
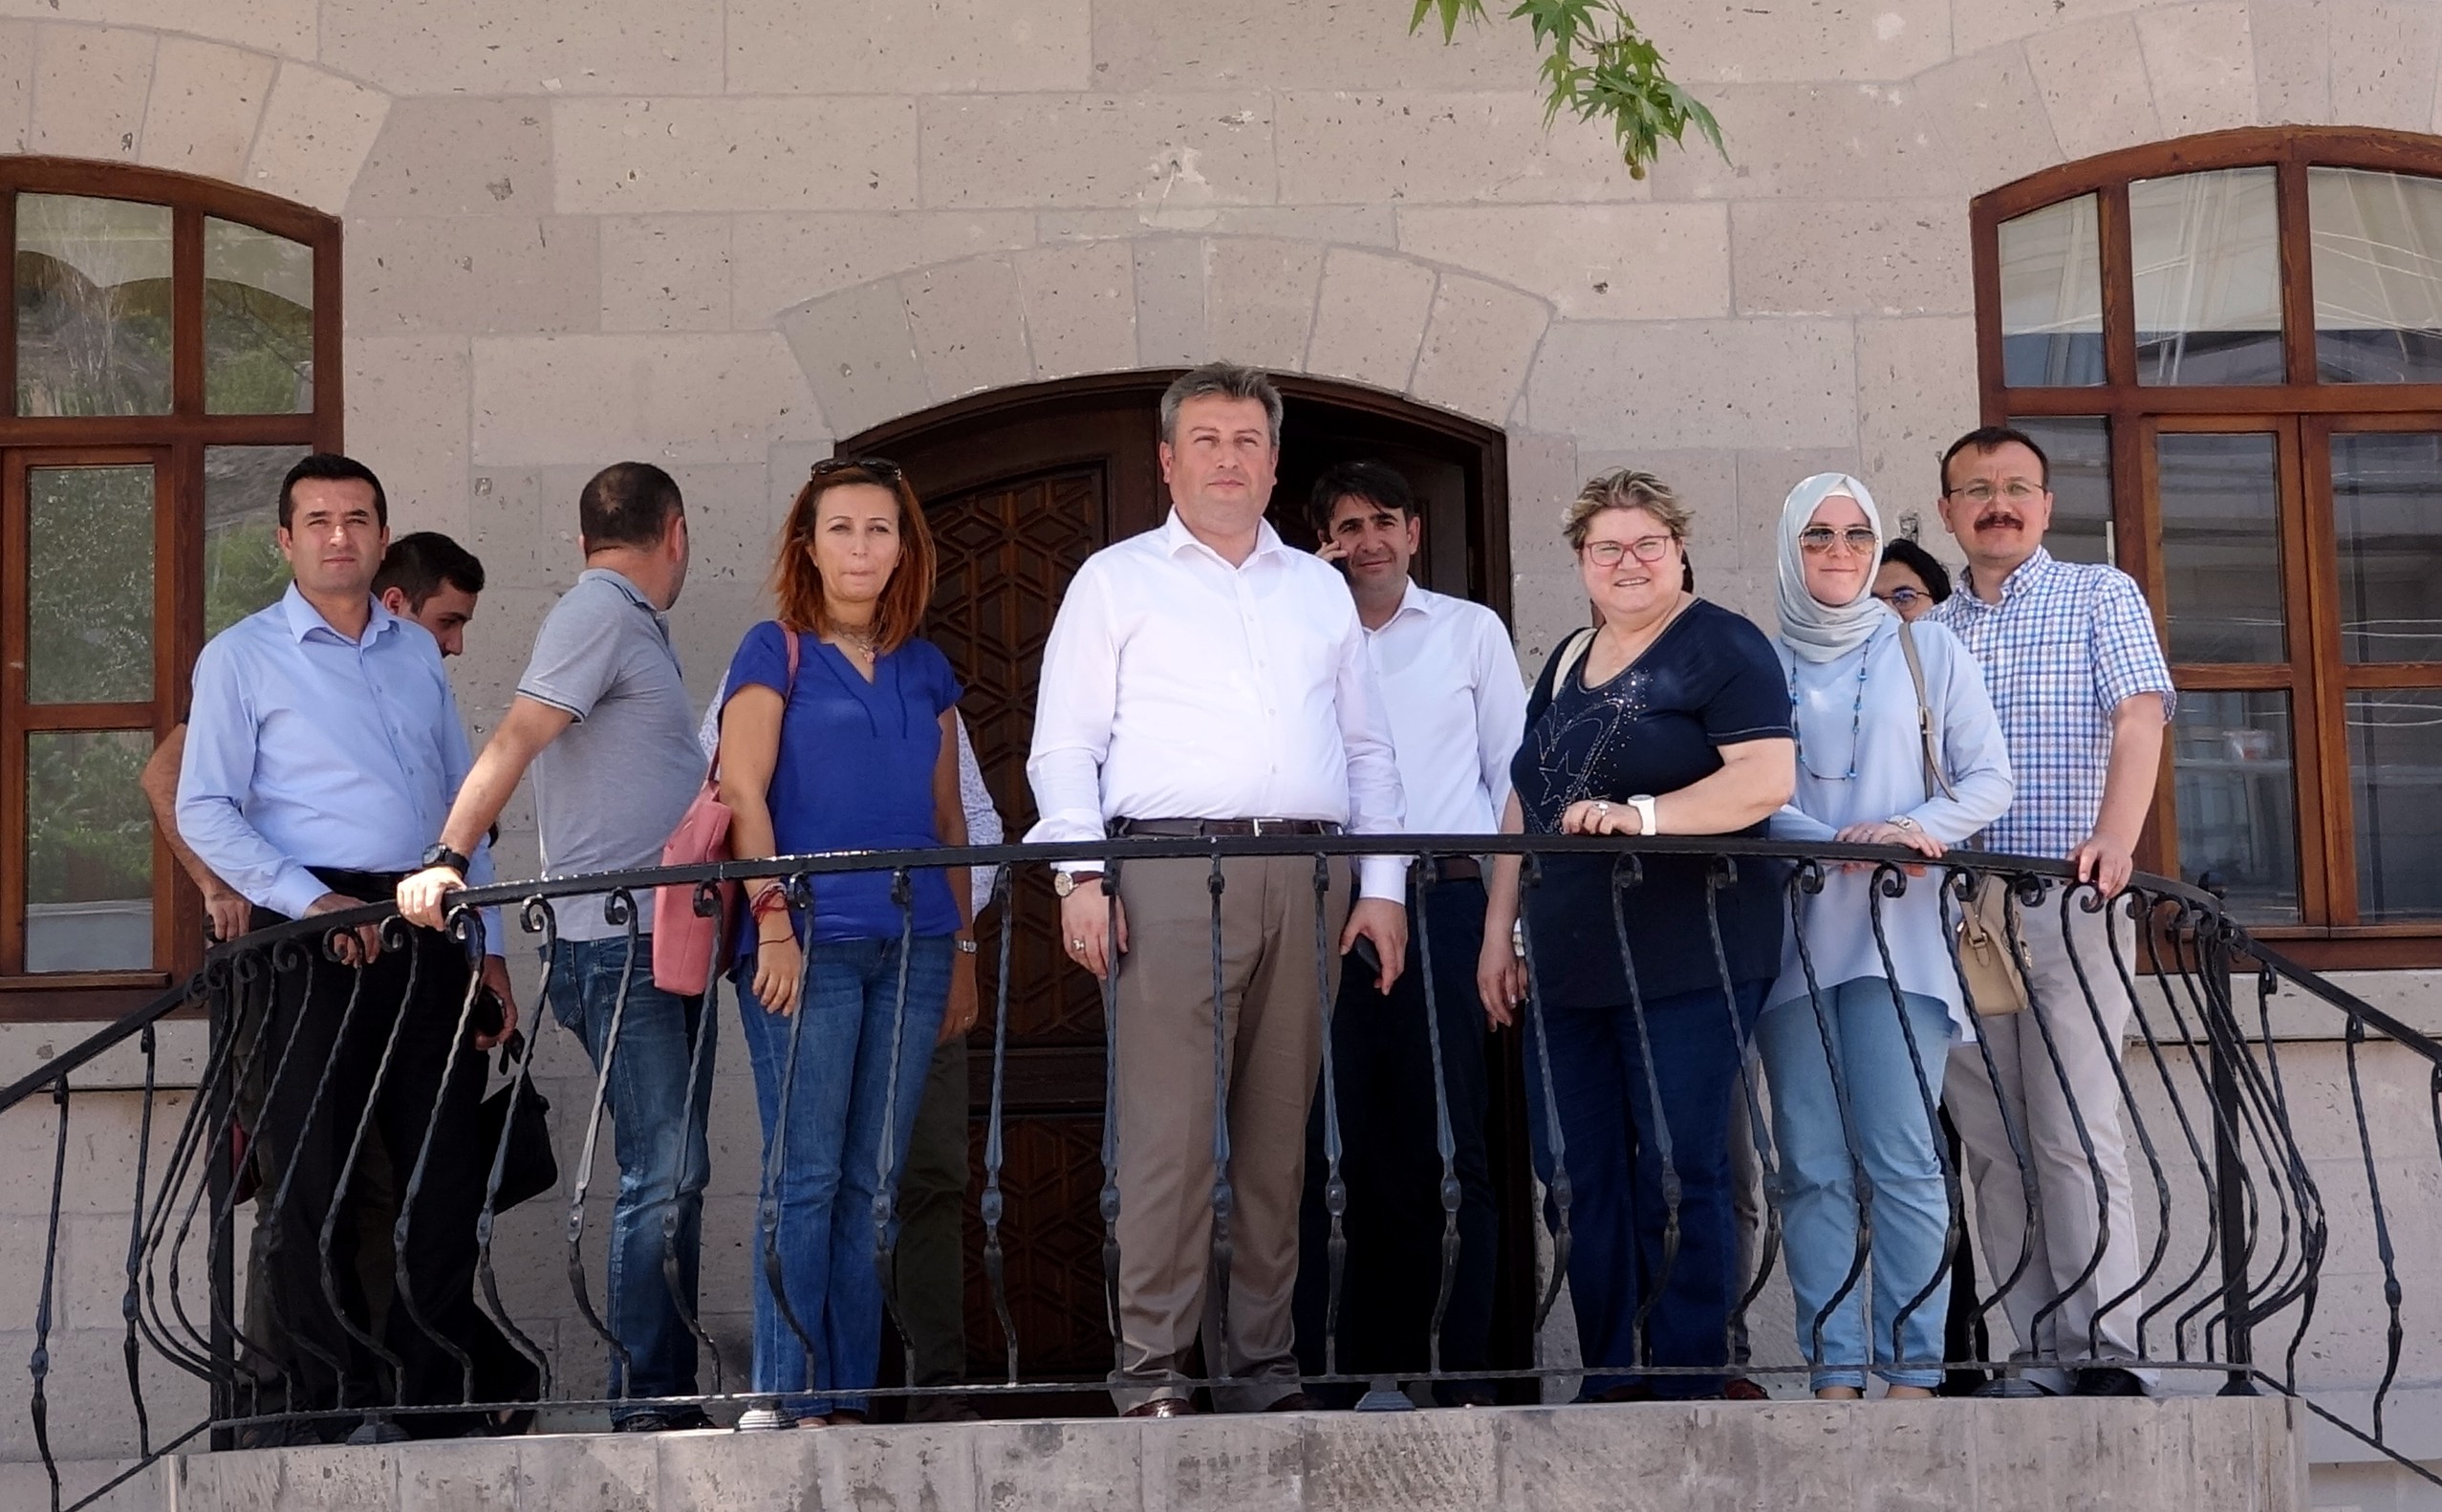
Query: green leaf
{"x":1452,"y":12}
{"x":1597,"y":65}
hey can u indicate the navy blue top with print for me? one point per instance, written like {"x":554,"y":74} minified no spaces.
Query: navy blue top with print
{"x":855,"y":772}
{"x":1709,"y":681}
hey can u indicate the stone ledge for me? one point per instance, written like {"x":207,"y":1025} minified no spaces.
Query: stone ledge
{"x":2231,"y":1455}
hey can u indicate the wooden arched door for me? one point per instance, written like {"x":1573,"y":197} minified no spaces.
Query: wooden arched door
{"x":1020,"y":487}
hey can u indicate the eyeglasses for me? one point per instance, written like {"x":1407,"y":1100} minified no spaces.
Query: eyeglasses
{"x":1818,"y":539}
{"x":1647,"y":548}
{"x":2017,"y":490}
{"x":883,"y":469}
{"x":1902,"y":598}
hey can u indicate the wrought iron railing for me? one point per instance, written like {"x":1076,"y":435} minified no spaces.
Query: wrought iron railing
{"x":2240,"y":1149}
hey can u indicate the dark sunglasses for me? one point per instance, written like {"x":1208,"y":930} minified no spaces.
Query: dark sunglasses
{"x":882,"y":468}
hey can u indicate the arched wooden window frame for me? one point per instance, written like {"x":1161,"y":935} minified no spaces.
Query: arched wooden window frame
{"x":2319,"y":679}
{"x":176,"y":442}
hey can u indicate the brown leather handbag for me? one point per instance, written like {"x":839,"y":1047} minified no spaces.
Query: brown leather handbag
{"x":1995,"y":972}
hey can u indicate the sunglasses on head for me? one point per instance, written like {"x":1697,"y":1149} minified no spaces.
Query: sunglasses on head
{"x":882,"y":467}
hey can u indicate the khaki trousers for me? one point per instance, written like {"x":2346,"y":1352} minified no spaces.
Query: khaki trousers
{"x":1271,"y":1041}
{"x":2066,"y":1210}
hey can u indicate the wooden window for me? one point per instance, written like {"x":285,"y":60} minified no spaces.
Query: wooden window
{"x":2232,"y":347}
{"x":168,"y":347}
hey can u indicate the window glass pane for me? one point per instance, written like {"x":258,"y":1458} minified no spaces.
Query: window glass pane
{"x":2221,"y":548}
{"x":2378,"y":275}
{"x":242,"y":569}
{"x":2395,"y":792}
{"x":2207,"y":250}
{"x":2238,"y":808}
{"x":2052,"y":297}
{"x":89,"y":585}
{"x":258,"y":322}
{"x":2387,"y":511}
{"x":2079,"y":452}
{"x":89,"y":852}
{"x":93,"y":306}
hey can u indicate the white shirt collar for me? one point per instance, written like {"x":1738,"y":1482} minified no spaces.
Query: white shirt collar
{"x":1176,"y":537}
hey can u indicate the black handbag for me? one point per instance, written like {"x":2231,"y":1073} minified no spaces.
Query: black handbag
{"x":520,"y":1146}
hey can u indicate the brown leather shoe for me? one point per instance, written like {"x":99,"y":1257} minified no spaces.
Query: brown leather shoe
{"x":1161,"y":1407}
{"x":1298,"y":1402}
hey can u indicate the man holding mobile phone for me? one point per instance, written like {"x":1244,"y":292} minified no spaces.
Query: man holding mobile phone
{"x":1207,"y":680}
{"x":1458,"y":710}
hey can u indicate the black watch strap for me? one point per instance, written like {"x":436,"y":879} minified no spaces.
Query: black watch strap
{"x":439,"y":855}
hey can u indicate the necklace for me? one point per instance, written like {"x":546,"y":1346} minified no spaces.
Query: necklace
{"x":1856,"y":725}
{"x":862,"y":641}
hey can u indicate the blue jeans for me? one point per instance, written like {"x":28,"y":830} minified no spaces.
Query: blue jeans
{"x":1619,"y":1210}
{"x":659,"y":1129}
{"x":1896,"y":1150}
{"x":818,"y":1194}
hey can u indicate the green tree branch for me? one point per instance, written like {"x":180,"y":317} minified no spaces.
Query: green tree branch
{"x":1597,"y":65}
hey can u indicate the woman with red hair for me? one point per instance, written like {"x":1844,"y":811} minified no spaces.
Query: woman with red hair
{"x":837,"y":734}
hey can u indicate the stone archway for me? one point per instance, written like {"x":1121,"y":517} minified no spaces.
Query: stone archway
{"x":894,"y":346}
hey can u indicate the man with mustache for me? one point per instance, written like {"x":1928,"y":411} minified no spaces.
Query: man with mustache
{"x":323,"y":750}
{"x":2078,"y":678}
{"x":1458,"y":710}
{"x":1205,"y":679}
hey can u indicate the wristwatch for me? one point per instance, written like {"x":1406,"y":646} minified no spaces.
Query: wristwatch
{"x":1643,"y":804}
{"x":1066,"y":882}
{"x":439,"y":855}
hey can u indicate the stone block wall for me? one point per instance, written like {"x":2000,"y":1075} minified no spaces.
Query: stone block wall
{"x":722,"y":234}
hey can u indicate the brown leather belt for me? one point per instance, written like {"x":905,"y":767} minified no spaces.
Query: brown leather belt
{"x":1457,"y":869}
{"x":1214,"y":828}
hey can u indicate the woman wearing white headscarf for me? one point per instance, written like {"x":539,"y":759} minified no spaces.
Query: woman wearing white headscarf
{"x":1853,"y":1050}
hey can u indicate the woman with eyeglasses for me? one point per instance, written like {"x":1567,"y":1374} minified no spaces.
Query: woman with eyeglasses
{"x":1910,"y":580}
{"x":1853,"y":1049}
{"x":1670,"y":718}
{"x":837,"y":734}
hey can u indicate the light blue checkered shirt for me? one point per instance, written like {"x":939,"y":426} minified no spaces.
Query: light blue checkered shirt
{"x":2067,"y":644}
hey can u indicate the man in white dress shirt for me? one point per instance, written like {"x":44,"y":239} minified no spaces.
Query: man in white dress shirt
{"x":1206,"y":679}
{"x":1457,"y":711}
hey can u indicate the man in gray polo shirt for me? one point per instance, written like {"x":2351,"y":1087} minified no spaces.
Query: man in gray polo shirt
{"x":603,"y":718}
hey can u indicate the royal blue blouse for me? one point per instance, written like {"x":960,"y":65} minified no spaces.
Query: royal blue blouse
{"x":856,"y":773}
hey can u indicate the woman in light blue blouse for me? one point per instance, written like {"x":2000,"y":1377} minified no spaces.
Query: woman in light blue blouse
{"x":1863,"y":778}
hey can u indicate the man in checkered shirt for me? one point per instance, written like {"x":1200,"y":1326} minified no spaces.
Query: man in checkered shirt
{"x":2077,"y":676}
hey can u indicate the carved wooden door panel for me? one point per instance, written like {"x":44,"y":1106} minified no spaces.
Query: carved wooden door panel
{"x":1007,"y":552}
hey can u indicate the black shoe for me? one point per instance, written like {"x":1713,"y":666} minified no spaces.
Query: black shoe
{"x":943,"y":1410}
{"x":2108,"y":1380}
{"x":662,"y":1420}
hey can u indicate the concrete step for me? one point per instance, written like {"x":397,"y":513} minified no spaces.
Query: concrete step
{"x":2229,"y":1455}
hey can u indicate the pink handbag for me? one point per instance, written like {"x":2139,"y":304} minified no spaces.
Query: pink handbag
{"x":685,"y":943}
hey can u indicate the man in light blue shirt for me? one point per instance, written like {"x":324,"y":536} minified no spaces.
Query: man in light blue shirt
{"x":323,"y":750}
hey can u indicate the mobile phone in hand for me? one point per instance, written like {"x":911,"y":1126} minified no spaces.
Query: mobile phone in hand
{"x":1368,"y":957}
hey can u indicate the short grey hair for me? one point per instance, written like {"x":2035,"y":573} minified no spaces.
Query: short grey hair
{"x":1220,"y":381}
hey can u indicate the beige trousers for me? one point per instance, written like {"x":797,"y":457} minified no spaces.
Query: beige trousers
{"x":2067,"y":1214}
{"x":1271,"y":1050}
